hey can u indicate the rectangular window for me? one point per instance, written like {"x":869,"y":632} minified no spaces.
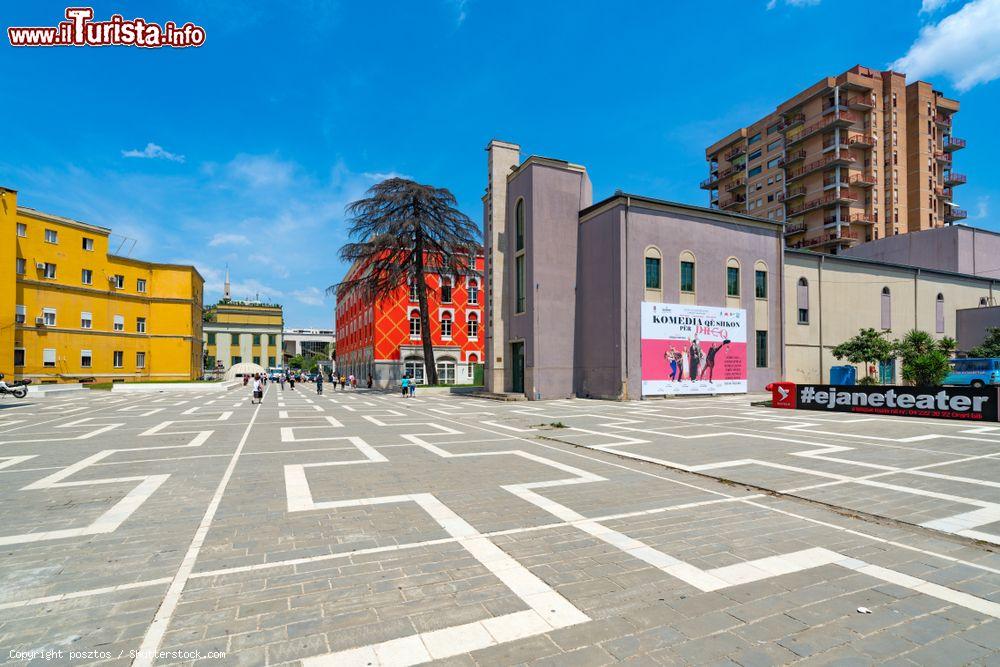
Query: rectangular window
{"x":88,"y":244}
{"x":20,"y":314}
{"x":140,"y":359}
{"x":472,"y":328}
{"x":446,"y":290}
{"x":446,"y":327}
{"x":86,"y":320}
{"x":774,"y":128}
{"x":49,"y":357}
{"x":520,"y":283}
{"x":256,"y":360}
{"x":19,"y":266}
{"x":19,"y":356}
{"x":237,"y":360}
{"x":140,"y":325}
{"x":270,"y":362}
{"x":771,"y":164}
{"x":473,"y":293}
{"x":754,"y":139}
{"x":756,"y":170}
{"x":753,"y":156}
{"x":732,"y":281}
{"x":119,"y":281}
{"x":86,"y":359}
{"x":761,"y":349}
{"x":414,"y":326}
{"x":50,"y":271}
{"x":87,"y":277}
{"x":119,"y":323}
{"x":760,"y":284}
{"x":653,"y":273}
{"x":256,"y":339}
{"x":49,"y":316}
{"x":687,"y":277}
{"x":803,"y":316}
{"x":51,"y":236}
{"x":211,"y":338}
{"x":774,"y":145}
{"x":22,"y":229}
{"x":140,"y":285}
{"x":118,"y":359}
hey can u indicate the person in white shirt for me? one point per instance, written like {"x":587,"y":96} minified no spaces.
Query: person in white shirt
{"x":258,"y":390}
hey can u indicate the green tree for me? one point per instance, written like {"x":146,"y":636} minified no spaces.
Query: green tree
{"x":924,"y":360}
{"x":403,"y":231}
{"x":990,"y":347}
{"x":865,"y":348}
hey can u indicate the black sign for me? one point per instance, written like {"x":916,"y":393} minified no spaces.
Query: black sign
{"x":939,"y":402}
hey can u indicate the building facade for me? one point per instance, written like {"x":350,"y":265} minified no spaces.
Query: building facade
{"x":382,"y":338}
{"x":855,"y":157}
{"x":956,"y":248}
{"x":74,"y":312}
{"x":312,"y":342}
{"x":973,"y":324}
{"x":243,"y":332}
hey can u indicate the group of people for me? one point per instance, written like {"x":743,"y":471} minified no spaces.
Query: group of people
{"x":697,"y":361}
{"x":408,"y":386}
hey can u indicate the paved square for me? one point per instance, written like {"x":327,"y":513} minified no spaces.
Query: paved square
{"x":363,"y":528}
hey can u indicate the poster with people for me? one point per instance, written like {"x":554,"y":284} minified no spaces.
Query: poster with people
{"x":693,"y":350}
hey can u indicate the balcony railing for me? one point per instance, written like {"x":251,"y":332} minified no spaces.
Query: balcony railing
{"x":951,"y":178}
{"x":941,"y":156}
{"x":738,"y":183}
{"x":862,"y":101}
{"x":943,"y":119}
{"x":736,"y":152}
{"x":733,"y":201}
{"x":839,"y":117}
{"x":829,"y":199}
{"x":793,"y":174}
{"x":858,"y":218}
{"x":791,"y":157}
{"x":861,"y":141}
{"x":795,"y":228}
{"x":844,"y":237}
{"x":792,"y":193}
{"x":956,"y":214}
{"x":954,"y":144}
{"x":790,"y":121}
{"x":710,"y":182}
{"x":862,"y":180}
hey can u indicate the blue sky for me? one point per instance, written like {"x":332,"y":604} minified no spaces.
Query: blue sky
{"x":246,"y":150}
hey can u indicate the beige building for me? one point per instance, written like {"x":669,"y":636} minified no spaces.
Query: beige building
{"x":854,"y":157}
{"x":829,"y":299}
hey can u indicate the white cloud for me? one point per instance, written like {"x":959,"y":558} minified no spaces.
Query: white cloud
{"x":381,"y":176}
{"x":930,"y":6}
{"x":261,"y":170}
{"x":460,"y":10}
{"x":964,"y":46}
{"x":792,"y":3}
{"x":310,"y":296}
{"x":229,"y":239}
{"x":153,"y":152}
{"x":982,"y":207}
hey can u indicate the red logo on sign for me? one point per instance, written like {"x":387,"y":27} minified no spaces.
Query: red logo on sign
{"x":782,"y":395}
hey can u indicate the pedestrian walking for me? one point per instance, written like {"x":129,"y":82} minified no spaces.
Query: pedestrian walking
{"x":353,"y":380}
{"x":319,"y":384}
{"x":281,"y":380}
{"x":370,"y":380}
{"x":291,"y":382}
{"x":406,"y":390}
{"x":413,"y":387}
{"x":246,"y":379}
{"x":258,"y":390}
{"x":343,"y":382}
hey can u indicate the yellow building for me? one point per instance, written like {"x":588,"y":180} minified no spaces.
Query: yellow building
{"x":242,"y":332}
{"x":70,"y":311}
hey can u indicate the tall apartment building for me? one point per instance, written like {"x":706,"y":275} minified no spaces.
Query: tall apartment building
{"x":853,"y":158}
{"x":73,"y":311}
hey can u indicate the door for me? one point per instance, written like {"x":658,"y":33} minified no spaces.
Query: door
{"x":887,"y":372}
{"x":517,"y":358}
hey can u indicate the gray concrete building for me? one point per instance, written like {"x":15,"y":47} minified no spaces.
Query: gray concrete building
{"x":972,"y":324}
{"x":957,"y":248}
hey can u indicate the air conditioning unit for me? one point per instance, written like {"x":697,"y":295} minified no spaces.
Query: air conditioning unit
{"x":40,"y":321}
{"x":39,"y":265}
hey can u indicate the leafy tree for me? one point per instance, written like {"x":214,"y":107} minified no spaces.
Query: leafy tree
{"x":402,"y":231}
{"x":990,"y":347}
{"x":865,"y":348}
{"x":925,"y":360}
{"x":306,"y":364}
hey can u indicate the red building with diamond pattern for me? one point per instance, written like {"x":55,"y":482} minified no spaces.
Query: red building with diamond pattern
{"x":383,"y":338}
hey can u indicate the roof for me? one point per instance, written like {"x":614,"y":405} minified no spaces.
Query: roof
{"x":690,"y":208}
{"x":895,"y":265}
{"x":34,"y":213}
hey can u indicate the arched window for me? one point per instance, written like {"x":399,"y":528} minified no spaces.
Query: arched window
{"x":733,"y":277}
{"x":414,"y":323}
{"x":473,"y":360}
{"x":886,"y":308}
{"x":519,"y":225}
{"x":760,"y":280}
{"x":687,"y":274}
{"x":446,"y":370}
{"x":472,"y":326}
{"x":802,"y":300}
{"x":446,"y":324}
{"x":473,"y":292}
{"x":654,"y":262}
{"x":447,"y":282}
{"x":520,"y":272}
{"x":939,"y":314}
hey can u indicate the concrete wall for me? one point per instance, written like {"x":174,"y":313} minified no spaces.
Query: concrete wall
{"x":956,"y":248}
{"x":971,"y":325}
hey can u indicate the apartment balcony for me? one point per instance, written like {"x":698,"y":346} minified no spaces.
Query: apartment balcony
{"x":795,"y":228}
{"x":943,"y":157}
{"x":845,"y":237}
{"x":951,"y":178}
{"x":862,"y":102}
{"x":862,"y":180}
{"x":829,"y":199}
{"x":736,"y":152}
{"x":955,"y":214}
{"x":794,"y":156}
{"x":953,"y":144}
{"x":738,"y":183}
{"x":710,"y":183}
{"x":836,"y":119}
{"x":943,"y":119}
{"x":829,"y":160}
{"x":854,"y":218}
{"x":792,"y":193}
{"x":733,"y":202}
{"x":790,"y":121}
{"x":861,"y":141}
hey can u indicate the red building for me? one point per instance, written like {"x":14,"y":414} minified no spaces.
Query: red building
{"x":383,"y":338}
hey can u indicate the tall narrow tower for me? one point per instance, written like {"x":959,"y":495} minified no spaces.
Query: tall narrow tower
{"x":503,"y":157}
{"x":225,"y":291}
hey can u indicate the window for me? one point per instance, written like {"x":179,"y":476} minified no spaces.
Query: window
{"x":22,"y":229}
{"x":140,"y":359}
{"x":802,"y":300}
{"x":19,"y":266}
{"x":19,"y":356}
{"x":754,"y":139}
{"x":886,"y":308}
{"x":256,"y":360}
{"x":270,"y":362}
{"x":87,"y":277}
{"x":774,"y":145}
{"x":119,"y":324}
{"x":520,"y":276}
{"x":446,"y":284}
{"x":760,"y":283}
{"x":118,"y":359}
{"x":939,"y":314}
{"x":49,"y":357}
{"x":256,"y":339}
{"x":771,"y":164}
{"x":761,"y":349}
{"x":446,"y":325}
{"x":86,"y":358}
{"x":50,"y":271}
{"x":51,"y":236}
{"x":415,"y":324}
{"x":414,"y":367}
{"x":49,"y":316}
{"x":119,"y":281}
{"x":753,"y":156}
{"x":86,"y":320}
{"x":756,"y":170}
{"x":20,"y":314}
{"x":446,"y":370}
{"x":653,"y":269}
{"x":472,"y":326}
{"x":140,"y":285}
{"x":414,"y":289}
{"x":474,"y":292}
{"x":88,"y":244}
{"x":687,"y":272}
{"x":237,"y":360}
{"x":733,"y":277}
{"x":774,"y":128}
{"x":140,"y":325}
{"x":211,"y":338}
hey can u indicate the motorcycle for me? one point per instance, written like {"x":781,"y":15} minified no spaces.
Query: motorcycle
{"x":18,"y":389}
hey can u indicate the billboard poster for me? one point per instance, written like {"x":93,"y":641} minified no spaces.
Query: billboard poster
{"x":968,"y":403}
{"x":693,"y":349}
